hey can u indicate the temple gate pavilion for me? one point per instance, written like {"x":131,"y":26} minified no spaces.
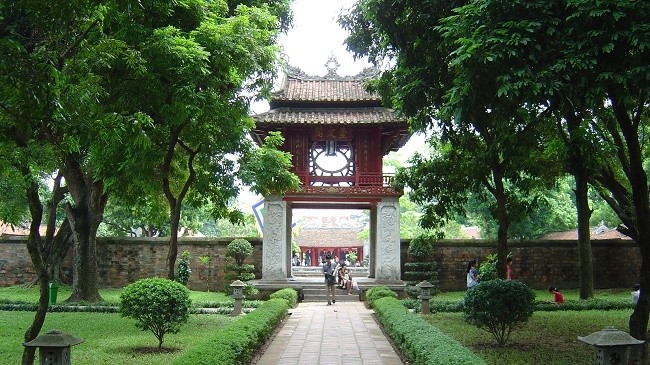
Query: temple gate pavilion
{"x":337,"y":133}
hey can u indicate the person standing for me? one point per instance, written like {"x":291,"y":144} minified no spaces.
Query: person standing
{"x":330,"y":279}
{"x":509,"y":268}
{"x":472,"y":274}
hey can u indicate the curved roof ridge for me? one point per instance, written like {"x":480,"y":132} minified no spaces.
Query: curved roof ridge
{"x":365,"y":74}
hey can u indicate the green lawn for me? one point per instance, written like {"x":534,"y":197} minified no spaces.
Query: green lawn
{"x":549,"y":338}
{"x":542,"y":295}
{"x":30,"y":295}
{"x":109,"y":338}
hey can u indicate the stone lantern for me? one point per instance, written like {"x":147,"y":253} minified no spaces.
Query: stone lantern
{"x":54,"y":347}
{"x":612,"y":346}
{"x":237,"y":294}
{"x":425,"y":295}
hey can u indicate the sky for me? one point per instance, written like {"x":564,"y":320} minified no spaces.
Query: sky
{"x":315,"y":36}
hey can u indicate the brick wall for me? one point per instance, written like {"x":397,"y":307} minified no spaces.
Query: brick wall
{"x":541,"y":264}
{"x":122,"y":261}
{"x":537,"y":263}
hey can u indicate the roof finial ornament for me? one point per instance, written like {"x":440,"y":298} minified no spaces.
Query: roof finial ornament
{"x":332,"y":66}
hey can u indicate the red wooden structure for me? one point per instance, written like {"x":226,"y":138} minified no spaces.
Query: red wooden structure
{"x":337,"y":133}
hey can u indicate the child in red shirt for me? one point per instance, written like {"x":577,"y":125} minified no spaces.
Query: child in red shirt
{"x":558,"y":298}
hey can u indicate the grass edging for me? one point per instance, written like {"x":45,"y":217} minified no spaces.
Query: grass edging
{"x":238,"y":342}
{"x":419,"y":341}
{"x":541,"y":306}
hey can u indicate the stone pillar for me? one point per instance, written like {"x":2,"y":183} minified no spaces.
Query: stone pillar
{"x":287,"y":231}
{"x":387,"y":258}
{"x":276,"y":241}
{"x":372,"y":241}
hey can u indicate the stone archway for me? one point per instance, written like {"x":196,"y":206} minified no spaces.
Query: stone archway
{"x":385,"y":257}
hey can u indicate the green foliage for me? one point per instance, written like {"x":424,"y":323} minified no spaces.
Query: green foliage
{"x":237,"y":343}
{"x":412,"y":304}
{"x":239,"y":249}
{"x":377,"y":292}
{"x":122,"y":217}
{"x":183,"y":272}
{"x":353,"y":257}
{"x":499,"y":306}
{"x":488,"y":269}
{"x":416,"y":272}
{"x":421,"y":248}
{"x":158,"y":305}
{"x":446,"y":306}
{"x":267,"y":169}
{"x":418,"y":341}
{"x":225,"y":228}
{"x":288,"y":294}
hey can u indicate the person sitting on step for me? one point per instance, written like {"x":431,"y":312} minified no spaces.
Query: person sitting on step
{"x":345,"y":279}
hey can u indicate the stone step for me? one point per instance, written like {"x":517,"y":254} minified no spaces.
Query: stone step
{"x":312,"y":294}
{"x":315,"y":271}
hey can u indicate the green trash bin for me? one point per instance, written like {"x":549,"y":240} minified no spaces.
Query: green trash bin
{"x":54,"y":290}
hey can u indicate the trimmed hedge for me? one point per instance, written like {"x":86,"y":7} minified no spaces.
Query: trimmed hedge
{"x":378,"y":292}
{"x":420,"y":342}
{"x":197,"y":308}
{"x":541,"y":306}
{"x":289,"y":294}
{"x":238,"y":342}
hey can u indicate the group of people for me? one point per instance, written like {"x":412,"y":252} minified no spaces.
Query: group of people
{"x":473,"y":279}
{"x":336,"y":274}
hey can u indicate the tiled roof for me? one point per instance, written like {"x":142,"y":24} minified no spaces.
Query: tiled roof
{"x":376,"y":115}
{"x":14,"y":230}
{"x":332,"y":237}
{"x":324,"y":91}
{"x":597,"y":233}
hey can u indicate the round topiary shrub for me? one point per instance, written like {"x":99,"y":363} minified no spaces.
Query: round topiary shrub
{"x":378,"y":292}
{"x":421,"y":247}
{"x":239,"y":249}
{"x":499,"y":306}
{"x":158,"y":305}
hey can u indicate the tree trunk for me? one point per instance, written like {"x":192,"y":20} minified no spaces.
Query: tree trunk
{"x":84,"y":282}
{"x":638,"y":322}
{"x":586,"y":264}
{"x":36,"y":255}
{"x":635,"y":172}
{"x":504,"y":223}
{"x":639,"y":318}
{"x":84,"y":215}
{"x":56,"y":246}
{"x":172,"y":254}
{"x":581,"y":176}
{"x":57,"y":249}
{"x":641,"y":313}
{"x":175,"y":203}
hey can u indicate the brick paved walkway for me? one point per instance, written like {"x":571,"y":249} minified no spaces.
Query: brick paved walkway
{"x":318,"y":334}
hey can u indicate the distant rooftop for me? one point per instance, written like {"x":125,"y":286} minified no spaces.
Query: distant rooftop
{"x":600,"y":232}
